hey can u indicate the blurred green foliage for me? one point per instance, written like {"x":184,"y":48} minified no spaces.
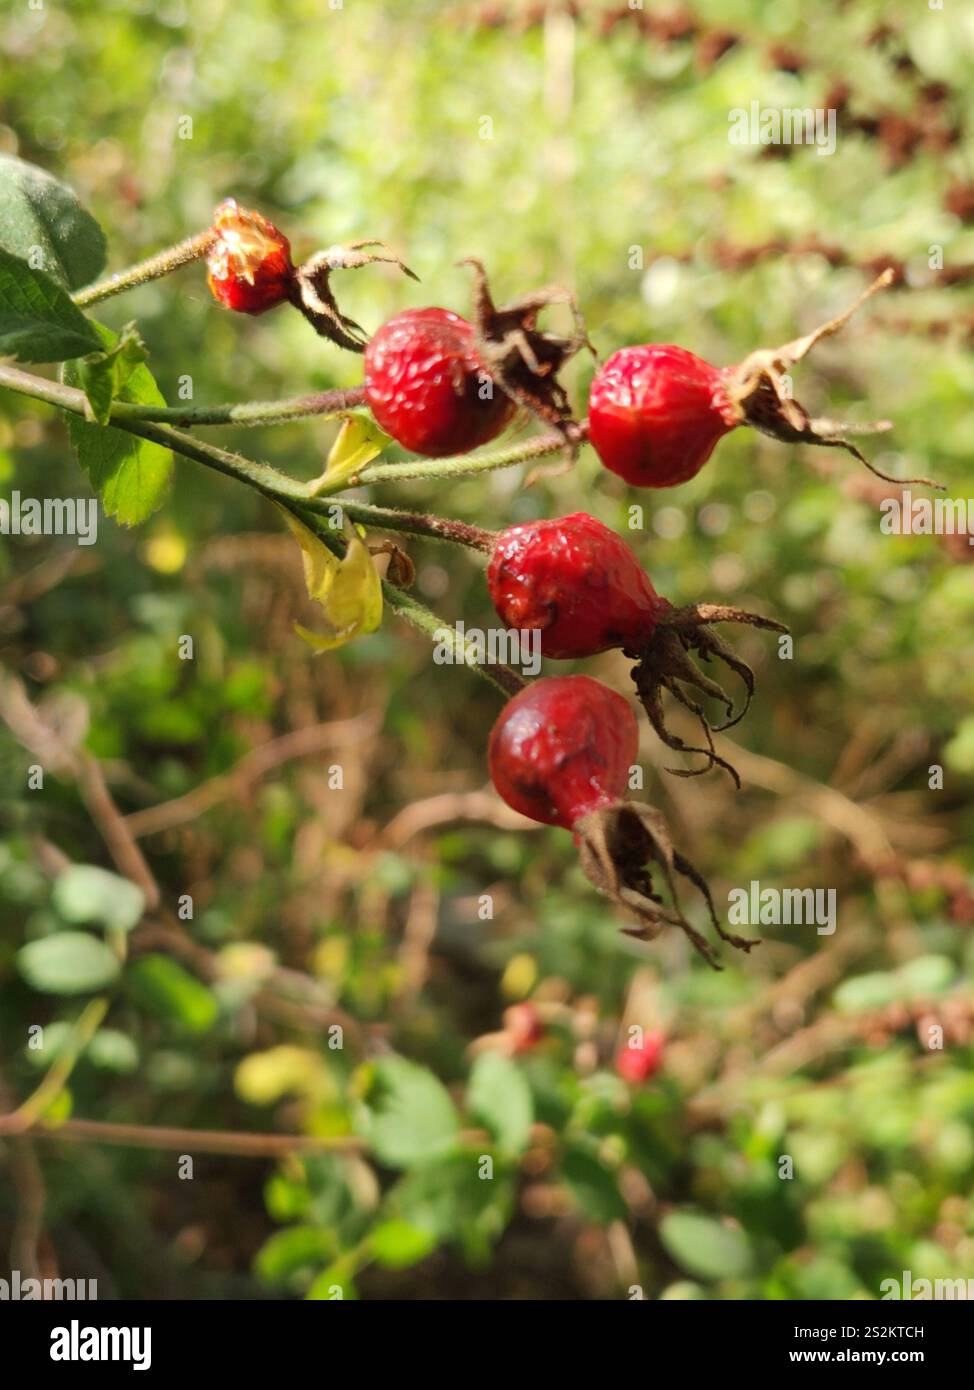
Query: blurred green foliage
{"x":806,"y":1136}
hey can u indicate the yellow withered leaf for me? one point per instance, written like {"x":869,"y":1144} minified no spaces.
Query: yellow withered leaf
{"x":348,"y":589}
{"x":357,"y":443}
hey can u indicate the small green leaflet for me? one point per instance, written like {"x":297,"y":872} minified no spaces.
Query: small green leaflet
{"x":69,"y":962}
{"x":105,"y":374}
{"x":38,"y":320}
{"x":131,"y":475}
{"x":42,"y":223}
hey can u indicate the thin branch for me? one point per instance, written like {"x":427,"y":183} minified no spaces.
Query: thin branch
{"x":437,"y":528}
{"x":194,"y":248}
{"x":245,"y":412}
{"x":30,"y":1111}
{"x":463,"y":465}
{"x":299,"y":743}
{"x":296,"y":495}
{"x":212,"y":1141}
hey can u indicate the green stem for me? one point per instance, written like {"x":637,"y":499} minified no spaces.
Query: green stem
{"x":438,"y":528}
{"x":259,"y":475}
{"x":245,"y":412}
{"x":56,"y":1078}
{"x":231,"y":413}
{"x":292,"y":493}
{"x":507,"y":681}
{"x":192,"y":249}
{"x":463,"y":465}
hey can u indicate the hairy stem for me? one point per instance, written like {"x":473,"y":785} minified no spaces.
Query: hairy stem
{"x":295,"y":494}
{"x":438,"y":528}
{"x":507,"y":681}
{"x":245,"y":412}
{"x":463,"y":465}
{"x":192,"y":249}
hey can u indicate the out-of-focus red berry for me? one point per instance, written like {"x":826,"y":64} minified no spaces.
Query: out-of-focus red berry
{"x":575,"y":580}
{"x":427,"y":386}
{"x":562,"y":747}
{"x":523,"y":1025}
{"x":249,"y":264}
{"x":637,"y":1064}
{"x":656,"y":412}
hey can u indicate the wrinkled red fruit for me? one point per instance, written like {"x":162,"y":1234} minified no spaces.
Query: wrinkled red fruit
{"x":636,"y":1064}
{"x":561,"y":748}
{"x":249,"y":264}
{"x":575,"y":580}
{"x":583,"y":588}
{"x":427,"y":386}
{"x":656,"y":413}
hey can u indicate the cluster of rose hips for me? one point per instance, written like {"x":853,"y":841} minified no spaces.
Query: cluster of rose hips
{"x":563,"y":747}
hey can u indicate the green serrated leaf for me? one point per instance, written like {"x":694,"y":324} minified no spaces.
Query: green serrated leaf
{"x":87,"y":893}
{"x":38,"y":320}
{"x":499,"y":1096}
{"x":104,"y":375}
{"x":130,"y":474}
{"x":413,"y":1120}
{"x":69,"y":962}
{"x":43,"y":223}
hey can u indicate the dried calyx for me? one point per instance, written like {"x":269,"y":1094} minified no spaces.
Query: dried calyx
{"x":759,"y":390}
{"x":311,"y":290}
{"x":616,"y":843}
{"x":665,"y":663}
{"x":523,"y":360}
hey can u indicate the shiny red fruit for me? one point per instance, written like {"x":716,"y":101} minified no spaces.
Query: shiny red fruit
{"x":249,"y":265}
{"x":563,"y":747}
{"x":656,"y":413}
{"x":426,"y":385}
{"x":636,"y":1064}
{"x":575,"y":580}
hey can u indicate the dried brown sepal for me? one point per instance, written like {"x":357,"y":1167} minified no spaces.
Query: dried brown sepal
{"x":522,"y":359}
{"x":616,"y":844}
{"x":401,"y":571}
{"x":758,"y":389}
{"x":665,"y":663}
{"x":312,"y":293}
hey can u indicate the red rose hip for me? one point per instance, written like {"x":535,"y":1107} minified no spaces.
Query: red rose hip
{"x":249,"y":263}
{"x":656,"y":413}
{"x":560,"y":753}
{"x":563,"y":747}
{"x":427,"y":386}
{"x":577,"y":581}
{"x":580,"y":585}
